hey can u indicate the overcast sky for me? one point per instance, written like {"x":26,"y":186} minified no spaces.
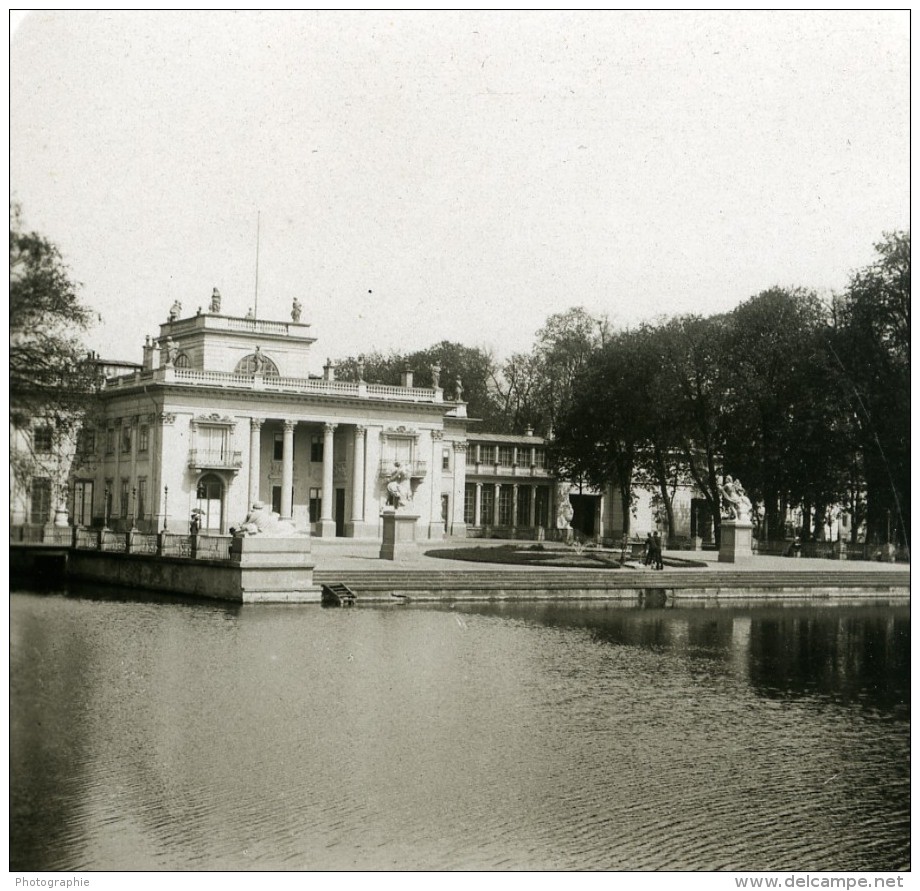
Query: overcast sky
{"x":461,"y":176}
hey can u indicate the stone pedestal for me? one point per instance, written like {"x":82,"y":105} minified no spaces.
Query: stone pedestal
{"x":399,"y":535}
{"x":325,"y":528}
{"x":735,"y":545}
{"x":275,"y":569}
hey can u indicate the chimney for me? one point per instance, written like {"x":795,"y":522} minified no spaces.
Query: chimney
{"x":329,"y":371}
{"x":528,"y":431}
{"x":148,"y":354}
{"x":407,"y":376}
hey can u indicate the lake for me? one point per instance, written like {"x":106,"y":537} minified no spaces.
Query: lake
{"x":170,"y":734}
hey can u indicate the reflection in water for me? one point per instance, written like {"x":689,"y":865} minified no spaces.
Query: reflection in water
{"x":152,"y":735}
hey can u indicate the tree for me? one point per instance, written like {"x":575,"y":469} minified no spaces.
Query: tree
{"x":474,"y":368}
{"x":51,"y":375}
{"x":870,"y":349}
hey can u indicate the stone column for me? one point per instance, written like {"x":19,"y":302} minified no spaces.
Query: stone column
{"x":514,"y":505}
{"x":495,"y":510}
{"x":287,"y":470}
{"x":477,"y":513}
{"x":355,"y":529}
{"x":458,"y":525}
{"x":435,"y":520}
{"x":326,"y":527}
{"x":533,"y":506}
{"x":255,"y":459}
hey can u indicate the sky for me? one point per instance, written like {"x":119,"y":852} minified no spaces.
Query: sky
{"x":417,"y":177}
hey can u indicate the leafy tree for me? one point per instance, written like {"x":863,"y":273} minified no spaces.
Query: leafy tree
{"x":51,"y":375}
{"x":474,"y":368}
{"x":870,"y":349}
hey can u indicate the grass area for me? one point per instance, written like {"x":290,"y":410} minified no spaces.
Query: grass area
{"x":530,"y":555}
{"x":540,"y":555}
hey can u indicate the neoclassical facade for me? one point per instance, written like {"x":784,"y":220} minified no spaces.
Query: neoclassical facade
{"x":226,"y":411}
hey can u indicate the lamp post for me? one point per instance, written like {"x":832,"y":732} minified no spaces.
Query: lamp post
{"x":105,"y":508}
{"x":165,"y":508}
{"x":133,"y":507}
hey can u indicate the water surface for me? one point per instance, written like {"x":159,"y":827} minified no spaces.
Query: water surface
{"x":181,"y":735}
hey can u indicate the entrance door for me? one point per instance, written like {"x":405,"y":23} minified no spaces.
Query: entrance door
{"x":340,"y":513}
{"x":585,"y":510}
{"x":210,"y":503}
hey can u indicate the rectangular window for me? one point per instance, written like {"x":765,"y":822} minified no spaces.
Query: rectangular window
{"x":542,"y":506}
{"x":469,"y":504}
{"x":316,"y":503}
{"x":505,"y":506}
{"x":110,"y":441}
{"x":316,"y":449}
{"x":539,"y":458}
{"x":143,"y":438}
{"x":506,"y":456}
{"x":141,"y":497}
{"x":83,"y":502}
{"x":278,"y":452}
{"x":86,"y":442}
{"x":487,"y":506}
{"x":445,"y":459}
{"x":125,"y":498}
{"x":43,"y":440}
{"x":41,"y":500}
{"x":126,"y":439}
{"x":523,"y":506}
{"x":108,"y":500}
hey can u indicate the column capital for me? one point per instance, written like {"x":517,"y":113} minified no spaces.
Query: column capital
{"x":289,"y":426}
{"x":329,"y":428}
{"x":360,"y":429}
{"x":461,"y":447}
{"x":255,"y":424}
{"x":437,"y":435}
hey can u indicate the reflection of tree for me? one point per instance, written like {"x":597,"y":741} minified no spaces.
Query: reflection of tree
{"x":858,"y":656}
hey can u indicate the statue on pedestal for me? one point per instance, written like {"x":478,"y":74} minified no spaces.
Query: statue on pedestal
{"x":738,"y":504}
{"x":261,"y":521}
{"x":564,"y":509}
{"x":175,"y":311}
{"x":399,"y":486}
{"x":215,"y":300}
{"x":296,"y":310}
{"x":435,"y":376}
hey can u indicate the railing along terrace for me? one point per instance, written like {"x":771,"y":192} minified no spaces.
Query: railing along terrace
{"x":176,"y":545}
{"x":87,"y":540}
{"x":213,"y":547}
{"x":301,"y":385}
{"x":143,"y":543}
{"x":113,"y":542}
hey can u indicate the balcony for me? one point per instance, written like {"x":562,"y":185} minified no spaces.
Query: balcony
{"x":418,"y":470}
{"x":214,"y":459}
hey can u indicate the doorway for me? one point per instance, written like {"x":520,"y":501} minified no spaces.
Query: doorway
{"x":210,"y":503}
{"x":339,"y":513}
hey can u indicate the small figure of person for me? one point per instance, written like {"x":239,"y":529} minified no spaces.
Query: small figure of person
{"x":195,"y":525}
{"x":649,"y":549}
{"x":656,"y":546}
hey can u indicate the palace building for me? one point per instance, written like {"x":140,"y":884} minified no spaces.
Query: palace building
{"x":225,"y":411}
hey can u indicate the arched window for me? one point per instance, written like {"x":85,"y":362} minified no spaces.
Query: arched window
{"x":182,"y":361}
{"x":251,"y":363}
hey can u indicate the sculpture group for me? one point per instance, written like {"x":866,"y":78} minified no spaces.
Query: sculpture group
{"x":261,"y":521}
{"x":399,"y":486}
{"x":738,"y":505}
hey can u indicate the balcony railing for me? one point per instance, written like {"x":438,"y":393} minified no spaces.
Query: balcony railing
{"x":418,"y":470}
{"x":211,"y":459}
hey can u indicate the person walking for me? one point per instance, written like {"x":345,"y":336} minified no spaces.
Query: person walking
{"x":657,"y":551}
{"x":649,"y":549}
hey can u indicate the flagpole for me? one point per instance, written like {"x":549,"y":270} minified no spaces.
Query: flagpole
{"x":258,"y":221}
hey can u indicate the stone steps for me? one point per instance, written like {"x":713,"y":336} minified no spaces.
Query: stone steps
{"x":611,"y":580}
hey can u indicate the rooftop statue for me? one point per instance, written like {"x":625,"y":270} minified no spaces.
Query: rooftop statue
{"x":261,"y":521}
{"x":399,"y":486}
{"x":458,"y":397}
{"x":296,"y":310}
{"x":435,"y":376}
{"x":175,"y":311}
{"x":215,"y":300}
{"x":738,"y":505}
